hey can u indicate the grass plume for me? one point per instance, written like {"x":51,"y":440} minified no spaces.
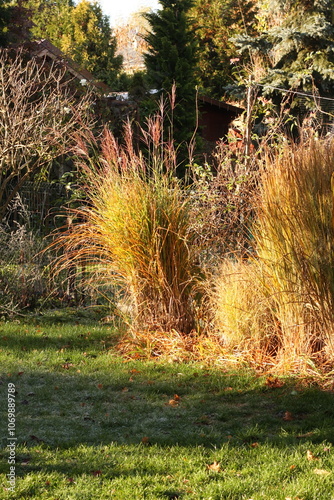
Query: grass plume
{"x":135,"y":232}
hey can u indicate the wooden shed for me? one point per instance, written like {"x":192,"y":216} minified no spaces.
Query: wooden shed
{"x":215,"y":118}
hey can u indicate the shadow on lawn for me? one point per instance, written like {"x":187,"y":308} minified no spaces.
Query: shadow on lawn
{"x":129,"y":406}
{"x":143,"y":405}
{"x":87,"y":396}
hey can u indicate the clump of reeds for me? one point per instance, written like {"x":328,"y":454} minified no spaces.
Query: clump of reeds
{"x":135,"y":231}
{"x":282,"y":297}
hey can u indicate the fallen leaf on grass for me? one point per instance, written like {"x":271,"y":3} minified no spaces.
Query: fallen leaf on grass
{"x":273,"y":382}
{"x":321,"y":472}
{"x":100,"y":386}
{"x":215,"y":466}
{"x":35,"y":438}
{"x":66,"y":366}
{"x":96,"y":472}
{"x":310,"y":456}
{"x":287,"y":416}
{"x":254,"y":445}
{"x":145,"y":440}
{"x":175,"y":401}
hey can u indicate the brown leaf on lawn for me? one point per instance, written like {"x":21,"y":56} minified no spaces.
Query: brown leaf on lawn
{"x":100,"y":386}
{"x":134,"y":371}
{"x":20,"y":373}
{"x":215,"y":466}
{"x":292,"y":467}
{"x":273,"y":382}
{"x":70,"y":480}
{"x":321,"y":472}
{"x":310,"y":456}
{"x":172,"y":402}
{"x":66,"y":366}
{"x":254,"y":445}
{"x":96,"y":472}
{"x":35,"y":438}
{"x":287,"y":416}
{"x":145,"y":440}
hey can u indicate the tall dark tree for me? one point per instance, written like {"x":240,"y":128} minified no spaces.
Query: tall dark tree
{"x":14,"y":22}
{"x":4,"y":21}
{"x":172,"y":59}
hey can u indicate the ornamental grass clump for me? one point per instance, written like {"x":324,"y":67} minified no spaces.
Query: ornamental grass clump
{"x":295,"y":238}
{"x":135,"y":232}
{"x":281,"y":298}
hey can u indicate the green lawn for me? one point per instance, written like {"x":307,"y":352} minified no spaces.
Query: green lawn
{"x":90,"y":425}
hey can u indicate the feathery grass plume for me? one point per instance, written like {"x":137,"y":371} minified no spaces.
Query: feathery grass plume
{"x":281,"y":299}
{"x":136,"y":232}
{"x":295,"y":238}
{"x":243,"y":315}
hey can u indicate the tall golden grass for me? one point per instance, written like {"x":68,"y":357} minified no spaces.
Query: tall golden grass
{"x":281,"y":299}
{"x":135,"y":232}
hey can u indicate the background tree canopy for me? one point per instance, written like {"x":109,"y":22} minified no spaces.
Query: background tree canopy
{"x":81,"y":31}
{"x":295,"y":45}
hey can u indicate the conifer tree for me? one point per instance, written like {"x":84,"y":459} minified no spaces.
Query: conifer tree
{"x":4,"y":21}
{"x":298,"y":48}
{"x":214,"y":21}
{"x":172,"y":59}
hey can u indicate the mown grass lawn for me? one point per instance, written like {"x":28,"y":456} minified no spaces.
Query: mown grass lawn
{"x":91,"y":425}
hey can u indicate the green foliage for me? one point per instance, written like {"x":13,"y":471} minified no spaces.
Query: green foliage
{"x":14,"y":22}
{"x":81,"y":31}
{"x":89,"y":42}
{"x":4,"y":21}
{"x":51,"y":19}
{"x":92,"y":426}
{"x":213,"y":22}
{"x":172,"y":59}
{"x":297,"y":47}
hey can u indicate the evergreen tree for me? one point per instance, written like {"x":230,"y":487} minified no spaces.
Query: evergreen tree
{"x":90,"y":42}
{"x":171,"y":59}
{"x":4,"y":21}
{"x":297,"y":47}
{"x":51,"y":19}
{"x":14,"y":22}
{"x":214,"y":21}
{"x":81,"y":31}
